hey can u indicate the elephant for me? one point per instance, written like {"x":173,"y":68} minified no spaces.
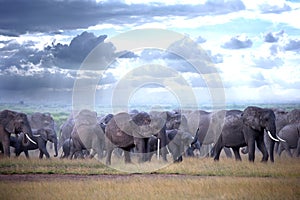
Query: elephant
{"x":245,"y":129}
{"x":210,"y":125}
{"x":291,"y":134}
{"x":40,"y":136}
{"x":39,"y":120}
{"x":178,"y":143}
{"x":66,"y":148}
{"x":87,"y":134}
{"x":282,"y":119}
{"x":65,"y":130}
{"x":195,"y":147}
{"x":14,"y":122}
{"x":127,"y":131}
{"x":104,"y":120}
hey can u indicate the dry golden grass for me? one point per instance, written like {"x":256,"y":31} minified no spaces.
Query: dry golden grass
{"x":155,"y":187}
{"x":191,"y":179}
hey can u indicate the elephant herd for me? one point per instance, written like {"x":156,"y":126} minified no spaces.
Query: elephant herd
{"x":185,"y":133}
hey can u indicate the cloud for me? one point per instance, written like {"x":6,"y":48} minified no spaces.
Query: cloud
{"x":66,"y":56}
{"x":50,"y":16}
{"x":267,"y":62}
{"x":200,"y":39}
{"x":273,"y":37}
{"x":71,"y":56}
{"x":292,"y":45}
{"x":237,"y":42}
{"x":275,"y":7}
{"x":22,"y":80}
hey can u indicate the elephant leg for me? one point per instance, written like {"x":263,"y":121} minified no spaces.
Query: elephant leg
{"x":262,"y":147}
{"x":127,"y":156}
{"x":276,"y":147}
{"x":286,"y":147}
{"x":236,"y":151}
{"x":93,"y":154}
{"x":218,"y":148}
{"x":228,"y":152}
{"x":41,"y":154}
{"x":26,"y":153}
{"x":251,"y":147}
{"x":108,"y":156}
{"x":163,"y":144}
{"x":6,"y":147}
{"x":298,"y":148}
{"x":280,"y":148}
{"x":43,"y":149}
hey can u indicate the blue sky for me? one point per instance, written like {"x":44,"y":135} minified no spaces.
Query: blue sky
{"x":255,"y":47}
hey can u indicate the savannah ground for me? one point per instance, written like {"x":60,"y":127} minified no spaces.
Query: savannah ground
{"x":191,"y":179}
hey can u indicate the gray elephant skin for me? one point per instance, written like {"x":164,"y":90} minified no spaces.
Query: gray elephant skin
{"x":210,"y":126}
{"x":178,"y":141}
{"x":87,"y":134}
{"x":122,"y":131}
{"x":247,"y":129}
{"x":12,"y":122}
{"x":128,"y":131}
{"x":291,"y":136}
{"x":45,"y":121}
{"x":65,"y":130}
{"x":40,"y":137}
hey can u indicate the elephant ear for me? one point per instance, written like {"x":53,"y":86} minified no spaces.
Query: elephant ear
{"x":43,"y":134}
{"x":9,"y":127}
{"x":7,"y":119}
{"x":251,"y":117}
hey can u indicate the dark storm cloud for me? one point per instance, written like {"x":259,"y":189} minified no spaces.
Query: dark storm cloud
{"x":237,"y":42}
{"x":44,"y":79}
{"x":71,"y":56}
{"x":23,"y":67}
{"x":67,"y":56}
{"x":19,"y":17}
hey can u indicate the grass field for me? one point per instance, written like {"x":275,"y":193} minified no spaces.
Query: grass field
{"x":191,"y":179}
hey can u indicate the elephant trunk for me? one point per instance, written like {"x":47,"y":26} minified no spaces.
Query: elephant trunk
{"x":26,"y":129}
{"x":55,"y":148}
{"x":271,"y":130}
{"x":196,"y":137}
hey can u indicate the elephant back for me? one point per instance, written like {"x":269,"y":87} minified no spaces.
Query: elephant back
{"x":85,"y":117}
{"x":41,"y":120}
{"x":294,"y":116}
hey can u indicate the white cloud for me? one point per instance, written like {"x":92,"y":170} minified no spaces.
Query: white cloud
{"x":238,"y":42}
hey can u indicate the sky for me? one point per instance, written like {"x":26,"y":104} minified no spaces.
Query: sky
{"x":253,"y":48}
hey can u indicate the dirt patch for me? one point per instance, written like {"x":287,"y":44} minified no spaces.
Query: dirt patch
{"x":74,"y":177}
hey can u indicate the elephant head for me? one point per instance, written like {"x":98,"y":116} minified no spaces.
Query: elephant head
{"x":14,"y":122}
{"x":48,"y":135}
{"x":85,"y":117}
{"x":41,"y":120}
{"x":260,"y":119}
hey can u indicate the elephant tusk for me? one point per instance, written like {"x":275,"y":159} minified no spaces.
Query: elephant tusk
{"x":282,"y":140}
{"x":30,"y":139}
{"x":272,"y":137}
{"x":36,"y":135}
